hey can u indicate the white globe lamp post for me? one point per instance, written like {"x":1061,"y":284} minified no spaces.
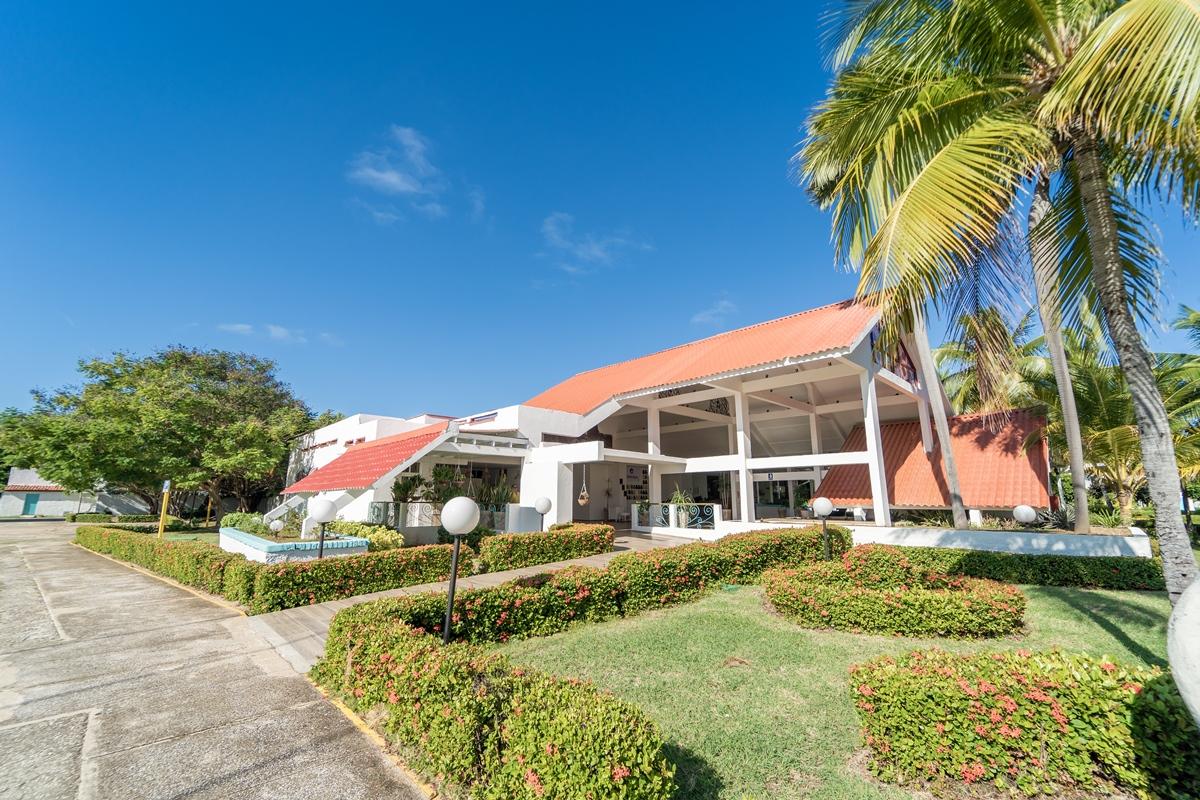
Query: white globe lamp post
{"x":321,"y":511}
{"x":1024,"y":515}
{"x":823,"y":507}
{"x":542,"y":507}
{"x":460,"y":516}
{"x":276,"y":525}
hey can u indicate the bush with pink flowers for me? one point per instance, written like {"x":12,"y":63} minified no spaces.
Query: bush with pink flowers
{"x":1032,"y":723}
{"x":876,"y":589}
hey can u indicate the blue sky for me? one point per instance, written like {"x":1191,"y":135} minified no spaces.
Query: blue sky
{"x":440,"y":207}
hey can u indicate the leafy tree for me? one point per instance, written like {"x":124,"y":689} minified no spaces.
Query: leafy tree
{"x":207,"y":419}
{"x":943,"y":115}
{"x":991,"y":366}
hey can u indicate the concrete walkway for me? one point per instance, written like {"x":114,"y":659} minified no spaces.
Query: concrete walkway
{"x":116,"y":685}
{"x":298,"y":634}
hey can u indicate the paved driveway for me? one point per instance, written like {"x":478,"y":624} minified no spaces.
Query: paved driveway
{"x":117,"y":685}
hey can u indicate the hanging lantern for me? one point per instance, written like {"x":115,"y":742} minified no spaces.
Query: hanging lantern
{"x":584,"y":498}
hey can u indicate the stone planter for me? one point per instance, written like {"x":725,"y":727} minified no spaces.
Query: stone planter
{"x":263,"y":550}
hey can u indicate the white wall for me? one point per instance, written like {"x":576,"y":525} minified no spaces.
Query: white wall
{"x":50,"y":504}
{"x":552,"y":480}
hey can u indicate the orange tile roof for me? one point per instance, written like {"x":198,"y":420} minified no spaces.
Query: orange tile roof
{"x":994,"y":469}
{"x":828,"y":328}
{"x":363,"y":464}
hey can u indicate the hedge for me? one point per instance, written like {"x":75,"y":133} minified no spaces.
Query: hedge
{"x":299,"y":583}
{"x":674,"y":575}
{"x":247,"y":523}
{"x":516,"y":550}
{"x":89,"y":516}
{"x":136,"y":518}
{"x":1043,"y":722}
{"x":379,"y":537}
{"x":1088,"y":572}
{"x":465,"y":715}
{"x":196,"y":564}
{"x":876,"y":589}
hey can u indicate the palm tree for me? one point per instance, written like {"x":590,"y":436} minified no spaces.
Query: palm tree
{"x":1107,"y":418}
{"x":991,"y":367}
{"x":943,"y":115}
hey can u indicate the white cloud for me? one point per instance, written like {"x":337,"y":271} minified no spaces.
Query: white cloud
{"x":236,"y":327}
{"x":415,"y":147}
{"x":281,"y":334}
{"x":478,"y":203}
{"x":330,"y":339}
{"x":715,"y":314}
{"x":558,"y":234}
{"x":375,"y":172}
{"x":432,"y":209}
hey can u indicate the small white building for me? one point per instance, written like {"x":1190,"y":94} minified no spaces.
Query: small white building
{"x":747,"y":424}
{"x":30,"y":495}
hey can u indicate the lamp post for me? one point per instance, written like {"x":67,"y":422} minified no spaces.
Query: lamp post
{"x":823,"y":507}
{"x":321,"y":511}
{"x":459,"y":517}
{"x":542,"y":506}
{"x":1024,"y":514}
{"x":276,"y":526}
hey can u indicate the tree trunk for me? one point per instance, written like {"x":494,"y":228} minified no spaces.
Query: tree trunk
{"x":1045,"y":281}
{"x":1125,"y":506}
{"x":937,"y":410}
{"x":1154,"y":430}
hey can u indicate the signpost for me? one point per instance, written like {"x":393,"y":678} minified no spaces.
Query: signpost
{"x":162,"y":513}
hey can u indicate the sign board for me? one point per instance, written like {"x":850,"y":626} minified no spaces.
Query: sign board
{"x":166,"y":486}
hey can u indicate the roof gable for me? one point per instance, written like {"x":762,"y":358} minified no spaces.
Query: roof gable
{"x":834,"y":327}
{"x":364,"y":464}
{"x":994,"y":468}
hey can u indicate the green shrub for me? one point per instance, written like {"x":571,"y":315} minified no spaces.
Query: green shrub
{"x":91,"y":516}
{"x":464,"y":714}
{"x":566,"y":739}
{"x":379,"y":537}
{"x":238,"y":583}
{"x":473,"y":540}
{"x":559,"y":526}
{"x":1090,"y":572}
{"x":173,"y":524}
{"x":828,"y":595}
{"x":194,"y":564}
{"x":299,"y":583}
{"x":137,"y":518}
{"x":678,"y":574}
{"x":537,"y":606}
{"x":1034,"y":722}
{"x":247,"y":523}
{"x":516,"y":550}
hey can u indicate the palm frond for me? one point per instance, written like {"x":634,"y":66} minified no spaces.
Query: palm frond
{"x":1136,"y":77}
{"x":1064,"y":230}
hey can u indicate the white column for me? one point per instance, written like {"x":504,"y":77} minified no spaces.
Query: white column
{"x":654,"y":447}
{"x":879,"y":496}
{"x":734,"y":494}
{"x":814,"y":435}
{"x":745,"y":484}
{"x":791,"y":498}
{"x":926,"y":427}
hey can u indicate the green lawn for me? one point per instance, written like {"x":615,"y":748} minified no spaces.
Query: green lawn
{"x":210,"y":537}
{"x":753,"y":706}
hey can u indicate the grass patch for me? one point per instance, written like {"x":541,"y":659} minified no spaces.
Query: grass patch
{"x":212,"y":538}
{"x":753,"y":706}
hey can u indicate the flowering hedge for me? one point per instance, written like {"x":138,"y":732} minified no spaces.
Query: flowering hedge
{"x":1034,"y":722}
{"x":674,"y":575}
{"x":876,"y":589}
{"x":299,"y":583}
{"x":379,"y":537}
{"x":516,"y":550}
{"x":191,"y":563}
{"x":1089,"y":572}
{"x":465,"y":715}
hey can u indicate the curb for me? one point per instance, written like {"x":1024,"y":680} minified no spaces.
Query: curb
{"x":413,"y":778}
{"x":217,"y":601}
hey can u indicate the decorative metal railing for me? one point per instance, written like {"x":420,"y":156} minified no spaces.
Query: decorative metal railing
{"x":403,"y":516}
{"x":697,"y":516}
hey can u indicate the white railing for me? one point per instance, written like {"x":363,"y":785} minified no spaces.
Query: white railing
{"x":678,"y":516}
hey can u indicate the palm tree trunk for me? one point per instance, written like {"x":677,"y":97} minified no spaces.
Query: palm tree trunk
{"x":1045,"y":282}
{"x":937,"y":410}
{"x":1154,"y":430}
